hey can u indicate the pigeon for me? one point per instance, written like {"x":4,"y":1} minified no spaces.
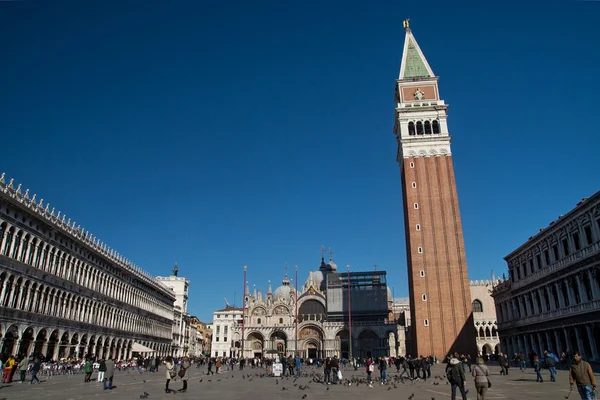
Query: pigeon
{"x":283,"y":388}
{"x":201,"y":380}
{"x":276,"y":382}
{"x":304,"y":396}
{"x":411,"y":396}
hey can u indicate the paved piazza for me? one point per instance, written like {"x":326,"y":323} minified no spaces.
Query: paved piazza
{"x":230,"y":385}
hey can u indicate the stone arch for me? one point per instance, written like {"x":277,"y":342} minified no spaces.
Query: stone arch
{"x":74,"y":345}
{"x":10,"y":339}
{"x":53,"y":344}
{"x":255,"y":342}
{"x":311,"y":309}
{"x":64,"y":345}
{"x":342,"y":344}
{"x":279,"y":340}
{"x":368,"y":343}
{"x":40,"y":341}
{"x":27,"y":341}
{"x":487,"y":349}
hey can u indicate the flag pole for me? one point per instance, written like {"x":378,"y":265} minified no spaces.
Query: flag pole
{"x":349,"y":319}
{"x":243,"y":311}
{"x":297,"y":352}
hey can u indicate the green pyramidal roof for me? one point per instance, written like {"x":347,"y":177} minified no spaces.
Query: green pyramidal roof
{"x":414,"y":66}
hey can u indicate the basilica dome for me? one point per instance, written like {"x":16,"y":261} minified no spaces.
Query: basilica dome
{"x":284,"y":291}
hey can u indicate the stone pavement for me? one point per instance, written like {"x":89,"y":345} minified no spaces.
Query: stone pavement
{"x":232,"y":386}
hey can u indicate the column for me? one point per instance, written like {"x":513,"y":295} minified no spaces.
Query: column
{"x":580,"y":346}
{"x":3,"y":239}
{"x":557,"y":339}
{"x":19,"y":296}
{"x":581,"y":289}
{"x":590,"y":332}
{"x":540,"y":343}
{"x":561,"y":300}
{"x":549,"y":341}
{"x":591,"y":275}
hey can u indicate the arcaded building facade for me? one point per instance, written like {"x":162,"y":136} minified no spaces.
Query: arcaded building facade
{"x":551,"y":299}
{"x":64,"y":293}
{"x":484,"y":316}
{"x":437,"y":266}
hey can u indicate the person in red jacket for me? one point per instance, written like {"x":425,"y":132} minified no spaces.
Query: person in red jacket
{"x":370,"y":368}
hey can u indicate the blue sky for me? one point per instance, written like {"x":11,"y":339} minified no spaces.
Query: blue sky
{"x":222,"y":134}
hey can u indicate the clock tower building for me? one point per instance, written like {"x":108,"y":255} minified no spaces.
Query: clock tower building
{"x":441,"y":312}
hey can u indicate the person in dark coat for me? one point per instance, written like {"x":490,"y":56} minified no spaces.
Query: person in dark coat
{"x":109,"y":373}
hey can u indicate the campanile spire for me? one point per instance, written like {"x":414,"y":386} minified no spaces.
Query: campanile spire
{"x":437,"y":268}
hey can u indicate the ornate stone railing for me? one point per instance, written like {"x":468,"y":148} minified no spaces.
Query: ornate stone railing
{"x":553,"y":314}
{"x":559,"y":265}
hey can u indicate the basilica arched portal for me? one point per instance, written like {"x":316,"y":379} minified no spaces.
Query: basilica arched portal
{"x":311,"y":342}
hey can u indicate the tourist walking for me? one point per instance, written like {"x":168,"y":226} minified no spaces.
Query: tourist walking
{"x":8,"y":366}
{"x":482,"y":381}
{"x":582,"y":376}
{"x":34,"y":370}
{"x":170,"y":372}
{"x":537,"y":367}
{"x":109,"y":373}
{"x":22,"y":367}
{"x":210,"y":365}
{"x":218,"y":365}
{"x":298,"y":363}
{"x":550,"y":362}
{"x":88,"y":368}
{"x":327,"y":371}
{"x":456,"y":377}
{"x":382,"y":370}
{"x":370,"y":369}
{"x":184,"y":373}
{"x":101,"y":370}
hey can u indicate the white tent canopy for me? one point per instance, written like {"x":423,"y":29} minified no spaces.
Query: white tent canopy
{"x":140,"y":348}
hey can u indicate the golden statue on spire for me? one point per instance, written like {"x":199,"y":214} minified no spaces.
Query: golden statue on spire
{"x":406,"y":23}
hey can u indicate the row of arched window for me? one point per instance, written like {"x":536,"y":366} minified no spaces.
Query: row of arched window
{"x":547,"y":252}
{"x":567,"y":292}
{"x":424,"y":128}
{"x":30,"y":296}
{"x":27,"y":248}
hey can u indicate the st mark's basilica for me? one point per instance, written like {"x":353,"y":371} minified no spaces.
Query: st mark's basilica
{"x":270,"y":327}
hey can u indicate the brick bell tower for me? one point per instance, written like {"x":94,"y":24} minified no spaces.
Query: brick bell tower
{"x":441,"y":312}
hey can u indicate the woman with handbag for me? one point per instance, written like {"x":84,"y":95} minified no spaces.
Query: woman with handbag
{"x":170,"y":368}
{"x":184,"y":373}
{"x":482,"y":381}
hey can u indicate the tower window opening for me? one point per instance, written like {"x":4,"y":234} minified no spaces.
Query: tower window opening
{"x":424,"y":297}
{"x":419,"y":128}
{"x":411,"y":128}
{"x":426,"y":322}
{"x":418,"y":227}
{"x":422,"y":273}
{"x":416,"y":206}
{"x":420,"y":249}
{"x":412,"y":164}
{"x":427,"y":128}
{"x":414,"y":185}
{"x":435,"y":125}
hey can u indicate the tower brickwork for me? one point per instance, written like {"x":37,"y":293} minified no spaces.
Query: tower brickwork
{"x":441,"y":311}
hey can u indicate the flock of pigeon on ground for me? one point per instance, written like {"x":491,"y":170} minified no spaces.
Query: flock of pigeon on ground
{"x":393,"y":382}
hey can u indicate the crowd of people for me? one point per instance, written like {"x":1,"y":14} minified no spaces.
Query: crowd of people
{"x":581,"y":376}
